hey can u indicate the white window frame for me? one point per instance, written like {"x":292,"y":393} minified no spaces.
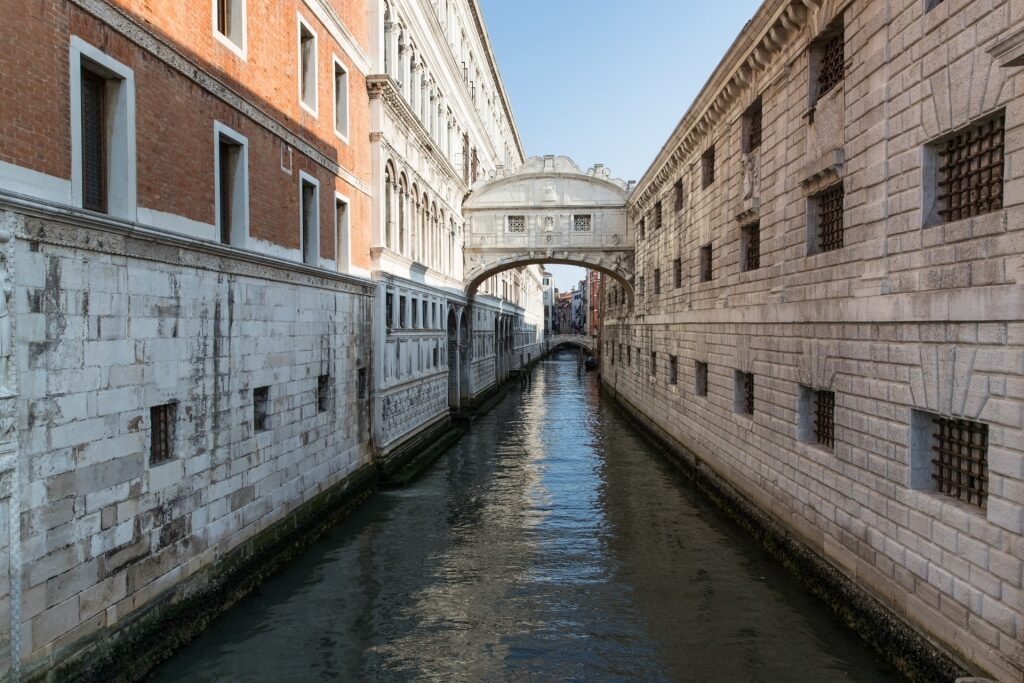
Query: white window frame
{"x":241,"y":50}
{"x":302,"y":23}
{"x":121,"y":185}
{"x":338,"y":64}
{"x":343,"y":247}
{"x":314,"y":258}
{"x":240,"y":204}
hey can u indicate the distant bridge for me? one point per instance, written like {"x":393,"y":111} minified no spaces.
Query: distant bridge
{"x":588,"y":344}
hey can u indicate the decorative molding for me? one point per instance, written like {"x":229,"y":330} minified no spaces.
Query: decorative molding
{"x":826,"y":170}
{"x":1009,"y":51}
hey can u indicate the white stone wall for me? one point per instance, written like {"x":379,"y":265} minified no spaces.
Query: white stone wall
{"x":904,"y":317}
{"x":110,"y":324}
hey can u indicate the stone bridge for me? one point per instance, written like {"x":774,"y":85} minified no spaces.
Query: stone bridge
{"x":588,"y":344}
{"x":549,"y":211}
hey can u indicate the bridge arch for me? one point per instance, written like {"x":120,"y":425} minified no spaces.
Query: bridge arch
{"x":548,"y":211}
{"x":582,"y":341}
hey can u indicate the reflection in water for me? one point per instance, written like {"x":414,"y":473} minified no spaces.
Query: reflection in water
{"x":549,"y":544}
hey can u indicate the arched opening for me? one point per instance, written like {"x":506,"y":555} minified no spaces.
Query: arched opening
{"x":482,"y":271}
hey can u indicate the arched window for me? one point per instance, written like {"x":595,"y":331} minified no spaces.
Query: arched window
{"x":403,"y":212}
{"x":389,"y":179}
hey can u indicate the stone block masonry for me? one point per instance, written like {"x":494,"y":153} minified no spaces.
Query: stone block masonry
{"x":847,"y":317}
{"x":118,"y":322}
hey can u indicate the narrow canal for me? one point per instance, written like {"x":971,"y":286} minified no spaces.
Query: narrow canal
{"x":550,"y":544}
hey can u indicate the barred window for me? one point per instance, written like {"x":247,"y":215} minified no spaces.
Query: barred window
{"x":753,"y":124}
{"x":517,"y":223}
{"x":828,"y":217}
{"x":700,"y":377}
{"x":657,"y":216}
{"x":970,"y":170}
{"x":261,"y":409}
{"x":677,"y":273}
{"x":830,"y":54}
{"x":750,"y":246}
{"x":654,"y":363}
{"x":657,"y":280}
{"x":824,"y":418}
{"x":581,"y":223}
{"x":744,"y":393}
{"x":708,"y":166}
{"x":960,"y":459}
{"x":678,"y":191}
{"x":161,"y":439}
{"x":673,"y":370}
{"x":705,"y":263}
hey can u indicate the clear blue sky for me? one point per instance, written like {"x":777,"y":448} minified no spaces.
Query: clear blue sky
{"x":606,"y":81}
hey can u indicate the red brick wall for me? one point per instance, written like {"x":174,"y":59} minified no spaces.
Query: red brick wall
{"x":174,"y":117}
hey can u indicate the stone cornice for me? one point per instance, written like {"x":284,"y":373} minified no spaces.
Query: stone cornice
{"x":383,"y":87}
{"x":146,"y":39}
{"x":774,"y":27}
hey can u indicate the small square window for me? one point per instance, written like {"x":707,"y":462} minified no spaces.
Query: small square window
{"x":261,"y":409}
{"x":950,"y":455}
{"x":707,"y":165}
{"x":706,"y":272}
{"x":750,"y":247}
{"x":700,"y":378}
{"x":673,"y":370}
{"x":323,"y":393}
{"x":581,"y":223}
{"x":965,"y":171}
{"x":162,"y":425}
{"x":517,"y":224}
{"x":744,"y":401}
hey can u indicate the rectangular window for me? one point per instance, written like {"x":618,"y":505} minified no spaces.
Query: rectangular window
{"x":415,"y":314}
{"x":342,"y":234}
{"x":401,"y":312}
{"x":658,"y":216}
{"x":642,"y":227}
{"x":700,"y":378}
{"x":707,"y":166}
{"x":826,"y":219}
{"x":229,"y":24}
{"x":310,"y":219}
{"x":629,"y":356}
{"x":307,"y":67}
{"x":640,"y":285}
{"x":654,"y":364}
{"x":340,"y":100}
{"x":261,"y":409}
{"x":677,"y":273}
{"x":581,"y":223}
{"x":435,"y":354}
{"x":362,"y":384}
{"x":389,"y":309}
{"x":950,"y":455}
{"x":752,"y":127}
{"x":744,"y":403}
{"x":817,"y":416}
{"x":323,"y":393}
{"x":750,"y":246}
{"x":673,"y":370}
{"x":161,"y":439}
{"x":657,"y":281}
{"x":232,"y":185}
{"x":967,"y":171}
{"x":94,"y":141}
{"x":517,"y":224}
{"x":828,"y":61}
{"x":706,"y":271}
{"x":678,"y":192}
{"x":426,"y":318}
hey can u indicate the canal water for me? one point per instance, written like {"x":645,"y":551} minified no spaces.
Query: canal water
{"x":551,"y":544}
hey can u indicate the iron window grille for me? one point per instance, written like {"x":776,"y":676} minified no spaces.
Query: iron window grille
{"x":705,"y":263}
{"x":754,"y":126}
{"x":829,"y":212}
{"x":581,"y":223}
{"x":323,"y":393}
{"x":700,"y":373}
{"x":708,"y":166}
{"x":752,"y":246}
{"x":261,"y":409}
{"x":657,"y":216}
{"x":161,"y":440}
{"x":678,"y":188}
{"x":517,"y":223}
{"x":94,"y":144}
{"x":960,"y":465}
{"x":745,"y":403}
{"x":824,"y":418}
{"x":677,"y":273}
{"x":970,"y":178}
{"x":832,"y":60}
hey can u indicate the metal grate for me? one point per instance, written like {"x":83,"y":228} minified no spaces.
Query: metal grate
{"x":708,"y":166}
{"x":679,"y":194}
{"x":705,"y":263}
{"x":830,"y":219}
{"x":657,"y":216}
{"x":832,"y":64}
{"x":960,"y":468}
{"x":754,"y":127}
{"x":517,"y":223}
{"x":971,"y":171}
{"x":161,"y":444}
{"x":581,"y":223}
{"x":94,"y":144}
{"x":752,"y":241}
{"x":824,"y":417}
